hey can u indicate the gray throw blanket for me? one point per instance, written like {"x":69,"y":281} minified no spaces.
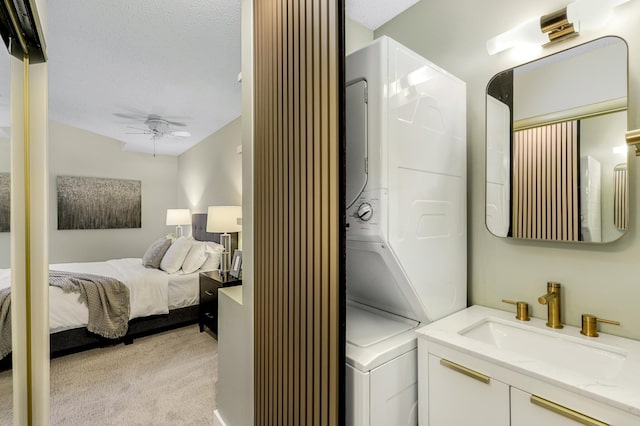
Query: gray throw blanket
{"x":5,"y":322}
{"x":106,"y":298}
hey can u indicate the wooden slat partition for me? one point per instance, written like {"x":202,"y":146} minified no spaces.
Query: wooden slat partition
{"x":620,"y":197}
{"x":546,"y":192}
{"x":298,"y":210}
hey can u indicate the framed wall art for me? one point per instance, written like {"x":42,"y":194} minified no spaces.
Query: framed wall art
{"x":236,"y":264}
{"x":5,"y":202}
{"x":98,"y":203}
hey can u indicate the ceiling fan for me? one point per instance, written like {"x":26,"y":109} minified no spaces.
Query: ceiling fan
{"x":156,"y":127}
{"x":159,"y":128}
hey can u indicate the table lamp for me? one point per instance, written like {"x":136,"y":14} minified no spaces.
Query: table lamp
{"x":177,"y":218}
{"x":224,"y":219}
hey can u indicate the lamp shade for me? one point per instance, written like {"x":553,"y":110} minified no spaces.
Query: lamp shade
{"x":177,"y":217}
{"x":223,"y":218}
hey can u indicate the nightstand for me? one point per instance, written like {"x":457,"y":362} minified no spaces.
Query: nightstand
{"x":210,"y":282}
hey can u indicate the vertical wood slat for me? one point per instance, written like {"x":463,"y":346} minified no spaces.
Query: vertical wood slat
{"x":620,"y":197}
{"x":546,"y":183}
{"x":298,"y":205}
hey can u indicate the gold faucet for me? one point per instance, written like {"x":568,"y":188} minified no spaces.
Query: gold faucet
{"x":522,"y":309}
{"x":590,"y":324}
{"x":552,"y":300}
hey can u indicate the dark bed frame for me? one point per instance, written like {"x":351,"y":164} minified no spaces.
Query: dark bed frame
{"x":80,"y":339}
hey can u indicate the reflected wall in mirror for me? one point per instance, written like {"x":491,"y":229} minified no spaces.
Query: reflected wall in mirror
{"x":6,"y":376}
{"x":5,"y":160}
{"x":556,"y":150}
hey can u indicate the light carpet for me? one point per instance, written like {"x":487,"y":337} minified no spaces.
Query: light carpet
{"x":164,"y":379}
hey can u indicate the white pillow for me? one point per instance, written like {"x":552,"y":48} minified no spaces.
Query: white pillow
{"x":174,"y":257}
{"x":195,"y":258}
{"x":213,"y":251}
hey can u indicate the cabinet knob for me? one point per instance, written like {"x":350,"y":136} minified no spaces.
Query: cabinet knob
{"x":522,"y":309}
{"x":590,"y":324}
{"x":210,"y":293}
{"x":209,"y":315}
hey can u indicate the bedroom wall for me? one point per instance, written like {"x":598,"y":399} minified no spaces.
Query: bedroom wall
{"x":5,"y":167}
{"x":78,"y":152}
{"x":598,"y":279}
{"x":210,"y":173}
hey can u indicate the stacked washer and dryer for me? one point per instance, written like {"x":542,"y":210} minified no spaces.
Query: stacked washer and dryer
{"x":406,"y":222}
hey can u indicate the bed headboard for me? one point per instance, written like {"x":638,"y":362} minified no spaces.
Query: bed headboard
{"x":199,"y":231}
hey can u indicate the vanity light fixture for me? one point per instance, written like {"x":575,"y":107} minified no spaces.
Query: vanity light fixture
{"x":633,"y":138}
{"x":557,"y":26}
{"x":620,"y":149}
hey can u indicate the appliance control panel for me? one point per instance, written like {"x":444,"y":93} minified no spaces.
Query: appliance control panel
{"x":364,"y":212}
{"x":366,"y":218}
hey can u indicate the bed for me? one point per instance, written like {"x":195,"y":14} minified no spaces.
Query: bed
{"x":158,"y":300}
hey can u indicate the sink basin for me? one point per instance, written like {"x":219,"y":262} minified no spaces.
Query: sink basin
{"x":597,"y":360}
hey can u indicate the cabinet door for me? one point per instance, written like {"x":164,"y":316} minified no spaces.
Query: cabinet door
{"x":526,"y":413}
{"x":456,"y":399}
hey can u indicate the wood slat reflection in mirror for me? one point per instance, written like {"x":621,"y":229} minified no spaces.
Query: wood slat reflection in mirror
{"x":620,"y":197}
{"x":545,"y":181}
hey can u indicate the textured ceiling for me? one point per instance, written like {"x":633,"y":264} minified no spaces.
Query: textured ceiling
{"x":373,"y":13}
{"x":175,"y":59}
{"x":178,"y":60}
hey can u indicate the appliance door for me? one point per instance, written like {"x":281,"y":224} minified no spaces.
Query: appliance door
{"x":357,"y":140}
{"x":394,"y":392}
{"x":357,"y":397}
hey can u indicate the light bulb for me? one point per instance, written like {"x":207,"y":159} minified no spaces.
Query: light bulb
{"x":590,"y":14}
{"x":525,"y":33}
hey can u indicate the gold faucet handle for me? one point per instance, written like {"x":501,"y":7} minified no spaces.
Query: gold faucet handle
{"x":522,"y":309}
{"x":590,"y":324}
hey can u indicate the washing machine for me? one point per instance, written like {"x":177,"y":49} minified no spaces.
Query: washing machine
{"x":406,"y":222}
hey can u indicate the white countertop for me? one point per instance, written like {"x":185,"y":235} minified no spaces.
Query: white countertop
{"x":619,"y":389}
{"x":234,"y":293}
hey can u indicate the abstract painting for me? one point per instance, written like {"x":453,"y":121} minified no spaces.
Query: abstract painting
{"x":5,"y":202}
{"x":98,"y":203}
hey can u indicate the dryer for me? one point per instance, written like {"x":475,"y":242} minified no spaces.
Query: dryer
{"x":406,"y":221}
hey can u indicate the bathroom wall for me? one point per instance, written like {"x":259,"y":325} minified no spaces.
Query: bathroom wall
{"x":598,"y":279}
{"x":356,"y":36}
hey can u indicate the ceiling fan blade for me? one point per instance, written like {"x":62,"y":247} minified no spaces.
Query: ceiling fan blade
{"x":181,"y":134}
{"x":138,"y":128}
{"x":137,"y":117}
{"x":177,"y":124}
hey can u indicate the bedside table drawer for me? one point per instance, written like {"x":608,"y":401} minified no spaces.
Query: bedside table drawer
{"x":210,"y":282}
{"x":208,"y":295}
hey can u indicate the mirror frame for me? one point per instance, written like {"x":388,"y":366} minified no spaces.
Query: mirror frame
{"x":564,"y":119}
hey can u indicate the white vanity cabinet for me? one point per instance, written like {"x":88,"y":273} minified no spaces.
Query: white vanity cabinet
{"x":483,"y":367}
{"x":458,"y":389}
{"x":464,"y":397}
{"x":563,"y":408}
{"x":526,"y":413}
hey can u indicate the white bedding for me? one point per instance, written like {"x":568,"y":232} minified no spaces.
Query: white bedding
{"x":184,"y":290}
{"x":151,"y":291}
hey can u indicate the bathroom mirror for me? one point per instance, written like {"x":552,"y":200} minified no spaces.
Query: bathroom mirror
{"x":555,"y":144}
{"x":6,"y":375}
